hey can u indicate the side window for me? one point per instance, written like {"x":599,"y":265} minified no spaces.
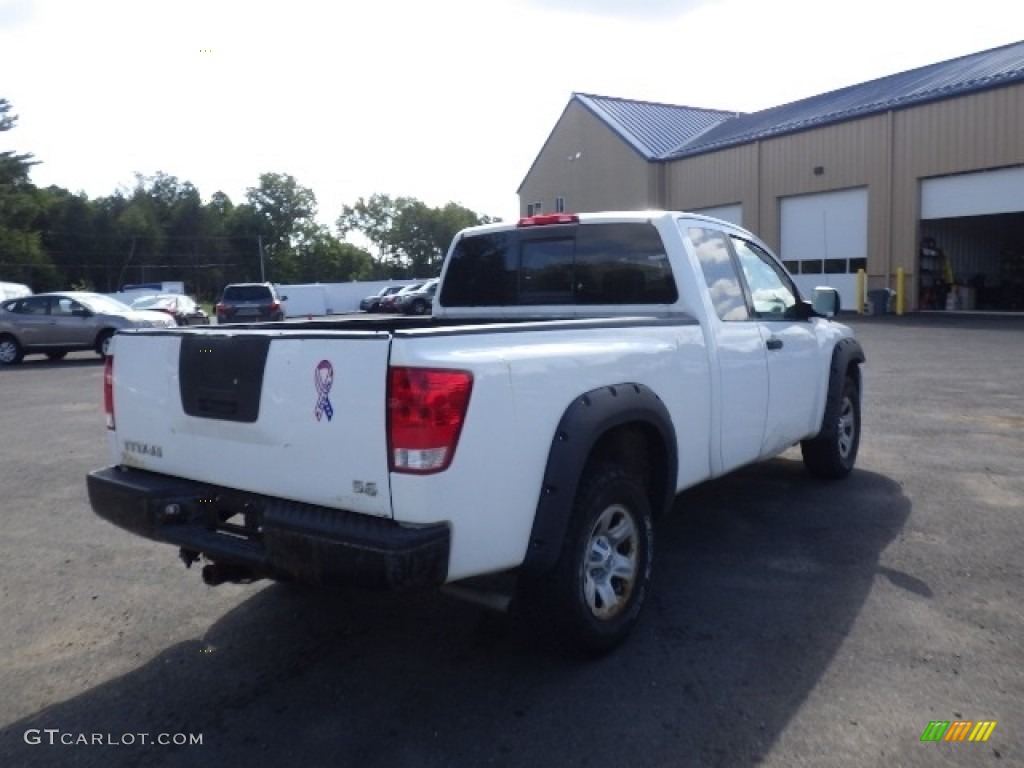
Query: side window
{"x":63,"y":307}
{"x":720,"y":274}
{"x":622,"y":264}
{"x":33,"y":305}
{"x":772,"y":292}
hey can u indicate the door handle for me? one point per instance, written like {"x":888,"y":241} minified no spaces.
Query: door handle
{"x":774,"y":343}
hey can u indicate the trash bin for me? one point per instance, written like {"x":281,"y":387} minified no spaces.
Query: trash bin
{"x":878,"y":301}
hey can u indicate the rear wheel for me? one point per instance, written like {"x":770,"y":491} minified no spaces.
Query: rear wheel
{"x":103,"y":342}
{"x":419,"y":307}
{"x":593,"y":596}
{"x":11,"y":352}
{"x":832,"y":454}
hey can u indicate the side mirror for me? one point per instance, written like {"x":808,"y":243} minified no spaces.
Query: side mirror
{"x":826,"y":301}
{"x":81,"y":312}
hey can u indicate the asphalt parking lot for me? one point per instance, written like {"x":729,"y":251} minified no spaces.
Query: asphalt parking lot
{"x":792,"y":622}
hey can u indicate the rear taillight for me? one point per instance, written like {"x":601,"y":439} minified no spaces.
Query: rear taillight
{"x":221,"y":307}
{"x":275,"y":306}
{"x":426,"y":410}
{"x":108,"y":390}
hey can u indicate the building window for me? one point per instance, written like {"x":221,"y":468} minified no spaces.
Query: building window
{"x":534,"y":209}
{"x":559,"y":205}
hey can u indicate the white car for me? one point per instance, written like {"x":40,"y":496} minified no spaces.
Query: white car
{"x":13,"y":291}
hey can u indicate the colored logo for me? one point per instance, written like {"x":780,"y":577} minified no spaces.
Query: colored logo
{"x":958,"y":730}
{"x":323,"y":377}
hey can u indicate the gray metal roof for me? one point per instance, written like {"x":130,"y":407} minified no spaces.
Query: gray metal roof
{"x":669,"y":131}
{"x":948,"y":79}
{"x":652,"y":129}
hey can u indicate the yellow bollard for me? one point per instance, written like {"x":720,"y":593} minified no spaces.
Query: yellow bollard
{"x":901,"y":290}
{"x":862,"y":280}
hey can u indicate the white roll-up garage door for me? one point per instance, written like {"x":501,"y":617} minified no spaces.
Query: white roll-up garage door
{"x":731,"y":213}
{"x":825,"y":240}
{"x":973,"y":194}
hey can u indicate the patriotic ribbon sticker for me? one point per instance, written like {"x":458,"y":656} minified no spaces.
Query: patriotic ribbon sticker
{"x":323,"y":377}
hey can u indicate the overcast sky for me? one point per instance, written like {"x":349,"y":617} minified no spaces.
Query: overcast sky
{"x":442,"y":100}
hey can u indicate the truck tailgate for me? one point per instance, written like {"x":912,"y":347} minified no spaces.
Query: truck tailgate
{"x":292,"y":414}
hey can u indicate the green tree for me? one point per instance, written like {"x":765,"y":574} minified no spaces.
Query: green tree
{"x":411,"y":238}
{"x":422,"y":234}
{"x":323,"y":258}
{"x":285,"y":211}
{"x":374,"y":219}
{"x":67,"y":224}
{"x":22,"y":257}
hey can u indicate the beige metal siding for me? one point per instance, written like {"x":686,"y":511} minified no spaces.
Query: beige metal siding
{"x":722,"y":178}
{"x":762,"y":174}
{"x":591,"y":167}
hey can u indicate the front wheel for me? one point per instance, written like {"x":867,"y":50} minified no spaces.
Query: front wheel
{"x":11,"y":352}
{"x":593,"y":596}
{"x":832,"y":454}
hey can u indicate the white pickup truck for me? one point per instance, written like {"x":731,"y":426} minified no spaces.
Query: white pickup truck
{"x":578,"y":371}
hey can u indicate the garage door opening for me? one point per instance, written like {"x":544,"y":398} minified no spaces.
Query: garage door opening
{"x":972,"y":241}
{"x":972,"y":263}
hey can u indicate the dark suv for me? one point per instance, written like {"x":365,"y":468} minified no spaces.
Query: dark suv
{"x":250,"y":303}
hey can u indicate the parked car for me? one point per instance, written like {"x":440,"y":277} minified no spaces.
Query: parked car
{"x":54,"y":324}
{"x":184,"y":309}
{"x":417,"y":302}
{"x":389,"y":303}
{"x":372,"y":303}
{"x":250,"y":303}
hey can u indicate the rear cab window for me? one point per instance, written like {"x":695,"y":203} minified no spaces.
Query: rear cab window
{"x":246,"y":293}
{"x":571,"y":264}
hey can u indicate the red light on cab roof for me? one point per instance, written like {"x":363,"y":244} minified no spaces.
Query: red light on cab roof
{"x":548,"y":218}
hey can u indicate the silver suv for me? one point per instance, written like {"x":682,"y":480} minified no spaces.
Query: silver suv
{"x":57,"y":323}
{"x":250,"y":303}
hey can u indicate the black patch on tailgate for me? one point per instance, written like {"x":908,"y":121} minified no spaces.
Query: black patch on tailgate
{"x":221,"y":376}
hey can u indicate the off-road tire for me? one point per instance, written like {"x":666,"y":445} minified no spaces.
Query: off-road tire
{"x":832,"y":454}
{"x":588,"y":603}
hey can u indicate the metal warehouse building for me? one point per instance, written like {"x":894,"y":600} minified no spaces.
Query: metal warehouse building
{"x":922,"y":170}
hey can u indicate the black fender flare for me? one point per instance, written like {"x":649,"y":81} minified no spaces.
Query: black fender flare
{"x":848,"y":352}
{"x":587,"y":418}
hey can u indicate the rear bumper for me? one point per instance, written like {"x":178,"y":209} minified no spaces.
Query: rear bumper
{"x":271,"y":537}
